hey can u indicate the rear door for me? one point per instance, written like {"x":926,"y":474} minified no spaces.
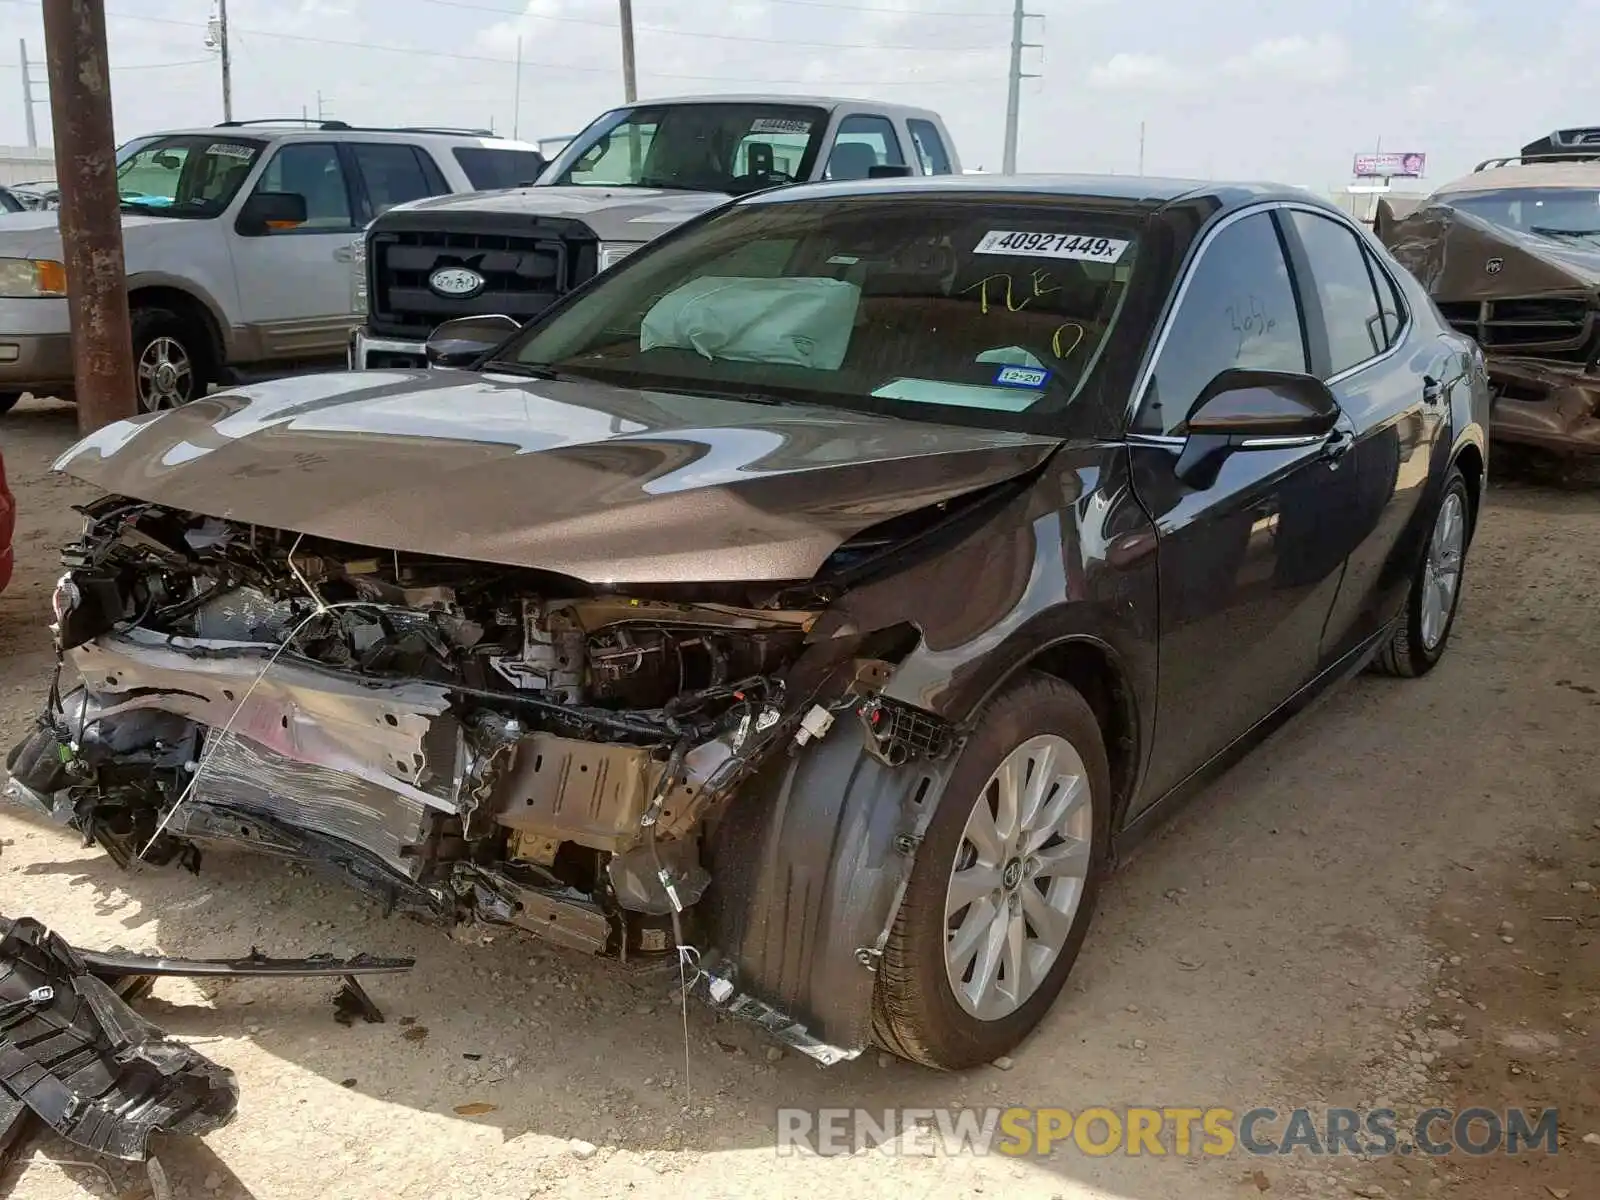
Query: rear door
{"x":863,"y":141}
{"x":1246,"y":579}
{"x":1392,"y":386}
{"x":294,"y":284}
{"x":390,"y":173}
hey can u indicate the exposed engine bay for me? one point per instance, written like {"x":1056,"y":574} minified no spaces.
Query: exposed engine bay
{"x":469,"y":743}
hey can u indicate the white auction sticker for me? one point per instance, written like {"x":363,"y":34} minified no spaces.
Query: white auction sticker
{"x":1081,"y":246}
{"x":779,"y":125}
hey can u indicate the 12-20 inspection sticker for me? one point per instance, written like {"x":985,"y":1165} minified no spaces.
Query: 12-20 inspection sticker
{"x":1083,"y":247}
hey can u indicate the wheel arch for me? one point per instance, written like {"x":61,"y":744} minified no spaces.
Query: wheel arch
{"x":160,"y":292}
{"x":1469,"y":458}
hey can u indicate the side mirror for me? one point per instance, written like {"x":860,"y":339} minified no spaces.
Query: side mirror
{"x":463,"y":341}
{"x":264,"y":212}
{"x":1253,"y":410}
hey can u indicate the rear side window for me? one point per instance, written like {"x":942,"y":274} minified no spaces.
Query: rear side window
{"x":1344,"y":291}
{"x":1239,"y":311}
{"x":864,"y":142}
{"x":925,"y":139}
{"x":489,"y":170}
{"x":392,"y":173}
{"x":1390,"y":302}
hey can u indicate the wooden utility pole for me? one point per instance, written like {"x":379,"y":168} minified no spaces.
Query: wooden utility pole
{"x":91,"y":213}
{"x":630,"y":80}
{"x":227,"y":60}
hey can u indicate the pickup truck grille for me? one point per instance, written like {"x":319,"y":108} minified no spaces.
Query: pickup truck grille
{"x":526,"y":273}
{"x":1549,"y":326}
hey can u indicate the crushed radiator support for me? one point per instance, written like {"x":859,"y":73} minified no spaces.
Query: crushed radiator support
{"x":74,"y":1055}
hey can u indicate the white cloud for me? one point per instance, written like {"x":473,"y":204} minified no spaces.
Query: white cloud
{"x":1453,"y":14}
{"x":1294,"y":59}
{"x":1298,"y":59}
{"x":1138,"y":73}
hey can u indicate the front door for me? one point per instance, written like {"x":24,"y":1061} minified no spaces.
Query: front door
{"x":294,"y":283}
{"x":1247,"y":571}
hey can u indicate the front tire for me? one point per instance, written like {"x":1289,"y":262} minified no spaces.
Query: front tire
{"x":8,"y":401}
{"x":173,"y":360}
{"x":1004,"y":884}
{"x":1431,"y":605}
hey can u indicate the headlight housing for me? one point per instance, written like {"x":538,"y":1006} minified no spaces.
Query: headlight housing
{"x":32,"y":278}
{"x":359,"y":302}
{"x":612,"y":253}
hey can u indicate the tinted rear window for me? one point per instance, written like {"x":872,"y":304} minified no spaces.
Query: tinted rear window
{"x":986,"y":313}
{"x":489,"y":169}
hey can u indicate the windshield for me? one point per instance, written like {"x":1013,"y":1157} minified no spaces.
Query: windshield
{"x":954,"y":310}
{"x":1565,"y":213}
{"x":189,"y":175}
{"x":730,"y":148}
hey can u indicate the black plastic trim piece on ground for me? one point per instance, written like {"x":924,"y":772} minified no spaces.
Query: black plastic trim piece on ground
{"x":86,"y":1064}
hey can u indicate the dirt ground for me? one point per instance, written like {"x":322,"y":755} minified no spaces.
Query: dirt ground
{"x":1396,"y":902}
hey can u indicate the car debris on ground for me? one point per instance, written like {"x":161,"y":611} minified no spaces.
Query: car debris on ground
{"x":75,"y":1055}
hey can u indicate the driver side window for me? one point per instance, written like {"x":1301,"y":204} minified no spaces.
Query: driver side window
{"x":1239,"y":311}
{"x":311,"y":169}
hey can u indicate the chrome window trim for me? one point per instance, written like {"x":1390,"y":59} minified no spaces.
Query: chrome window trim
{"x":1148,"y":370}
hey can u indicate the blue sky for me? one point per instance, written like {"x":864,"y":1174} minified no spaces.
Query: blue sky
{"x":1225,"y":88}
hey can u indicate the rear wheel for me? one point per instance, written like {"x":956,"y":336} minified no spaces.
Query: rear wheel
{"x":1424,"y":632}
{"x":172,"y":359}
{"x":1004,"y":884}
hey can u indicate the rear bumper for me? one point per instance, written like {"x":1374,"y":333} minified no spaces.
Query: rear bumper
{"x":369,"y":353}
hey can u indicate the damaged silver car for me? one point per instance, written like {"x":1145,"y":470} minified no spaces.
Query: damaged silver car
{"x":820,"y":595}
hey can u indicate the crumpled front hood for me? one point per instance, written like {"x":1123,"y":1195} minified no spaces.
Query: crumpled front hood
{"x":1459,"y":256}
{"x":604,"y":484}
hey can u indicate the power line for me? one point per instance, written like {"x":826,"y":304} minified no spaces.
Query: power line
{"x":543,"y":66}
{"x":882,"y":8}
{"x":718,"y":37}
{"x":188,"y":62}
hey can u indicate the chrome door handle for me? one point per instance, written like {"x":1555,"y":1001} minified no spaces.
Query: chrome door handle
{"x":344,"y":254}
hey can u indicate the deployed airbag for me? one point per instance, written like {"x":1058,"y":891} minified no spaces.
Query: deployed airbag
{"x":796,"y":322}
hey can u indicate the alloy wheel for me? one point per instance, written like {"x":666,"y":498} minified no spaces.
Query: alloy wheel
{"x":1018,"y":877}
{"x":165,"y":375}
{"x":1441,"y":576}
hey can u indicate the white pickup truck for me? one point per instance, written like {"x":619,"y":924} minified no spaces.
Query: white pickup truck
{"x":633,"y":174}
{"x":238,"y":242}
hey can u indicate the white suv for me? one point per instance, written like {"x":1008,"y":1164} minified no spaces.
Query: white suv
{"x":238,"y":241}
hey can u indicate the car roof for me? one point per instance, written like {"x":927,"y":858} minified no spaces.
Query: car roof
{"x":829,"y":102}
{"x":293,"y":131}
{"x":1137,"y":190}
{"x":1525,"y":175}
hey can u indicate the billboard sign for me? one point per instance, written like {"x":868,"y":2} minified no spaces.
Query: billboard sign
{"x":1388,"y":166}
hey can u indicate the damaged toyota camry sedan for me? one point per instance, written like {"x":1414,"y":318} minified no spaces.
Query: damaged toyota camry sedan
{"x":821,"y":596}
